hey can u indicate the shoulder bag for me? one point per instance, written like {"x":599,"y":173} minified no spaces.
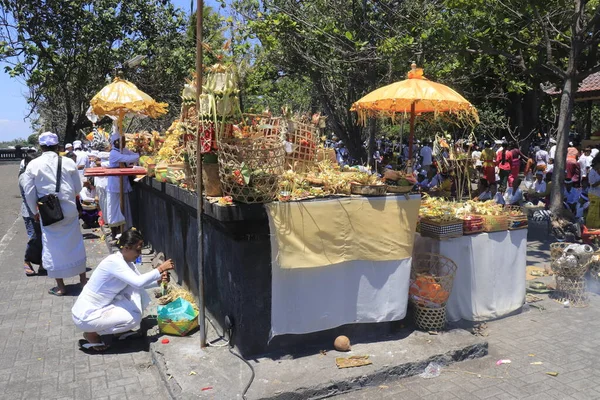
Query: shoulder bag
{"x":49,"y":205}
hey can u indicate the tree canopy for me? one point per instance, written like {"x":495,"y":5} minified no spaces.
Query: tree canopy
{"x":67,"y":50}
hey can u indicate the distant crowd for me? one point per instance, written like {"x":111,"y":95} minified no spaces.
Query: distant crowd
{"x":500,"y":171}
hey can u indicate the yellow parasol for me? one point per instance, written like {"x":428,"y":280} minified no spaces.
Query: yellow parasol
{"x":414,"y":95}
{"x":121,"y":98}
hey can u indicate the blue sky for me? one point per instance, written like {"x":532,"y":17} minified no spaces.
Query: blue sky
{"x":13,"y":107}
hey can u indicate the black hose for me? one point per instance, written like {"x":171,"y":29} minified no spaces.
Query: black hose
{"x":230,"y":334}
{"x":251,"y":369}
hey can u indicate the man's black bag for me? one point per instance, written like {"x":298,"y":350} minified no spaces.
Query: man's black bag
{"x":49,"y":205}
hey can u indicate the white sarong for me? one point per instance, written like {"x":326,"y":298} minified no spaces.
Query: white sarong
{"x":102,"y":199}
{"x":63,"y":252}
{"x":123,"y":314}
{"x":113,"y":215}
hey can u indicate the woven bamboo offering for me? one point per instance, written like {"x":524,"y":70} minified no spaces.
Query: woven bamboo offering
{"x":432,"y":278}
{"x":250,"y":168}
{"x":473,"y":224}
{"x":495,"y":223}
{"x":556,"y":249}
{"x":570,"y":267}
{"x":438,"y":229}
{"x":571,"y":289}
{"x":304,"y":139}
{"x":516,"y":218}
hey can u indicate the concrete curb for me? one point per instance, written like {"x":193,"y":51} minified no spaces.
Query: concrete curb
{"x":173,"y":388}
{"x":324,"y":390}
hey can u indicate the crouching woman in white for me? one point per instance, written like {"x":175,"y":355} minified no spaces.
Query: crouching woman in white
{"x":114,"y":298}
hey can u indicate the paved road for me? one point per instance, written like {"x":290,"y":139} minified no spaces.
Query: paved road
{"x":10,"y":197}
{"x":564,"y":340}
{"x":39,"y":355}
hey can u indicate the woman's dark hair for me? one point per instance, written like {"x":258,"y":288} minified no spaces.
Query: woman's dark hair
{"x":504,"y":149}
{"x":26,"y":160}
{"x":130,"y":238}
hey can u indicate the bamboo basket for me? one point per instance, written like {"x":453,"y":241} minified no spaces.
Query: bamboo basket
{"x":473,"y":224}
{"x":516,"y":221}
{"x":441,"y":230}
{"x":495,"y":223}
{"x":263,"y":158}
{"x":432,"y":278}
{"x":368,"y":190}
{"x":304,"y":139}
{"x":556,"y":249}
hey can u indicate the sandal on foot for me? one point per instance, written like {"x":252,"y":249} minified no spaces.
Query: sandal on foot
{"x":93,"y":348}
{"x":56,"y":292}
{"x":42,"y":271}
{"x":29,"y":271}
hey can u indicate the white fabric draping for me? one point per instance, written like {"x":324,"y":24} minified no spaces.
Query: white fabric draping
{"x":490,"y":276}
{"x":308,"y":300}
{"x":353,"y":291}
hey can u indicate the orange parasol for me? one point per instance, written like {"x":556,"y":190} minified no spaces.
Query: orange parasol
{"x":414,"y":95}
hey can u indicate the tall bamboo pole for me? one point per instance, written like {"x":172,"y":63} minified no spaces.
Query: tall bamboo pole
{"x":200,"y":203}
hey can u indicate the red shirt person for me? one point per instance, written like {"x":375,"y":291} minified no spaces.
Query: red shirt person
{"x":504,"y":162}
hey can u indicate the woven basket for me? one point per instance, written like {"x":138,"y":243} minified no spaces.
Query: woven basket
{"x":473,"y":225}
{"x":495,"y":223}
{"x":441,"y":230}
{"x":430,"y":319}
{"x":262,"y":157}
{"x":575,"y":272}
{"x":368,"y":190}
{"x":556,"y":249}
{"x":304,"y":139}
{"x":192,"y":157}
{"x":571,"y":289}
{"x":518,"y":220}
{"x":432,"y":278}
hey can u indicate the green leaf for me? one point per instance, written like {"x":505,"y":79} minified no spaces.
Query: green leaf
{"x":349,"y":35}
{"x":245,"y":173}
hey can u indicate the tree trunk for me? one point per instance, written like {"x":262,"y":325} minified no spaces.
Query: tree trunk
{"x":70,"y":129}
{"x":589,"y":105}
{"x":562,"y":141}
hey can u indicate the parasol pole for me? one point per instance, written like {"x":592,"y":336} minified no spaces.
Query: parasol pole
{"x":121,"y":195}
{"x":411,"y":136}
{"x":200,"y":203}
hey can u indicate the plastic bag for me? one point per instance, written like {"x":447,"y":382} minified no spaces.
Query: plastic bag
{"x":433,"y":370}
{"x":177,"y":318}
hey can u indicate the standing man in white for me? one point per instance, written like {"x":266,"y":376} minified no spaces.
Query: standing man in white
{"x":82,"y":157}
{"x":114,"y":216}
{"x":63,"y":252}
